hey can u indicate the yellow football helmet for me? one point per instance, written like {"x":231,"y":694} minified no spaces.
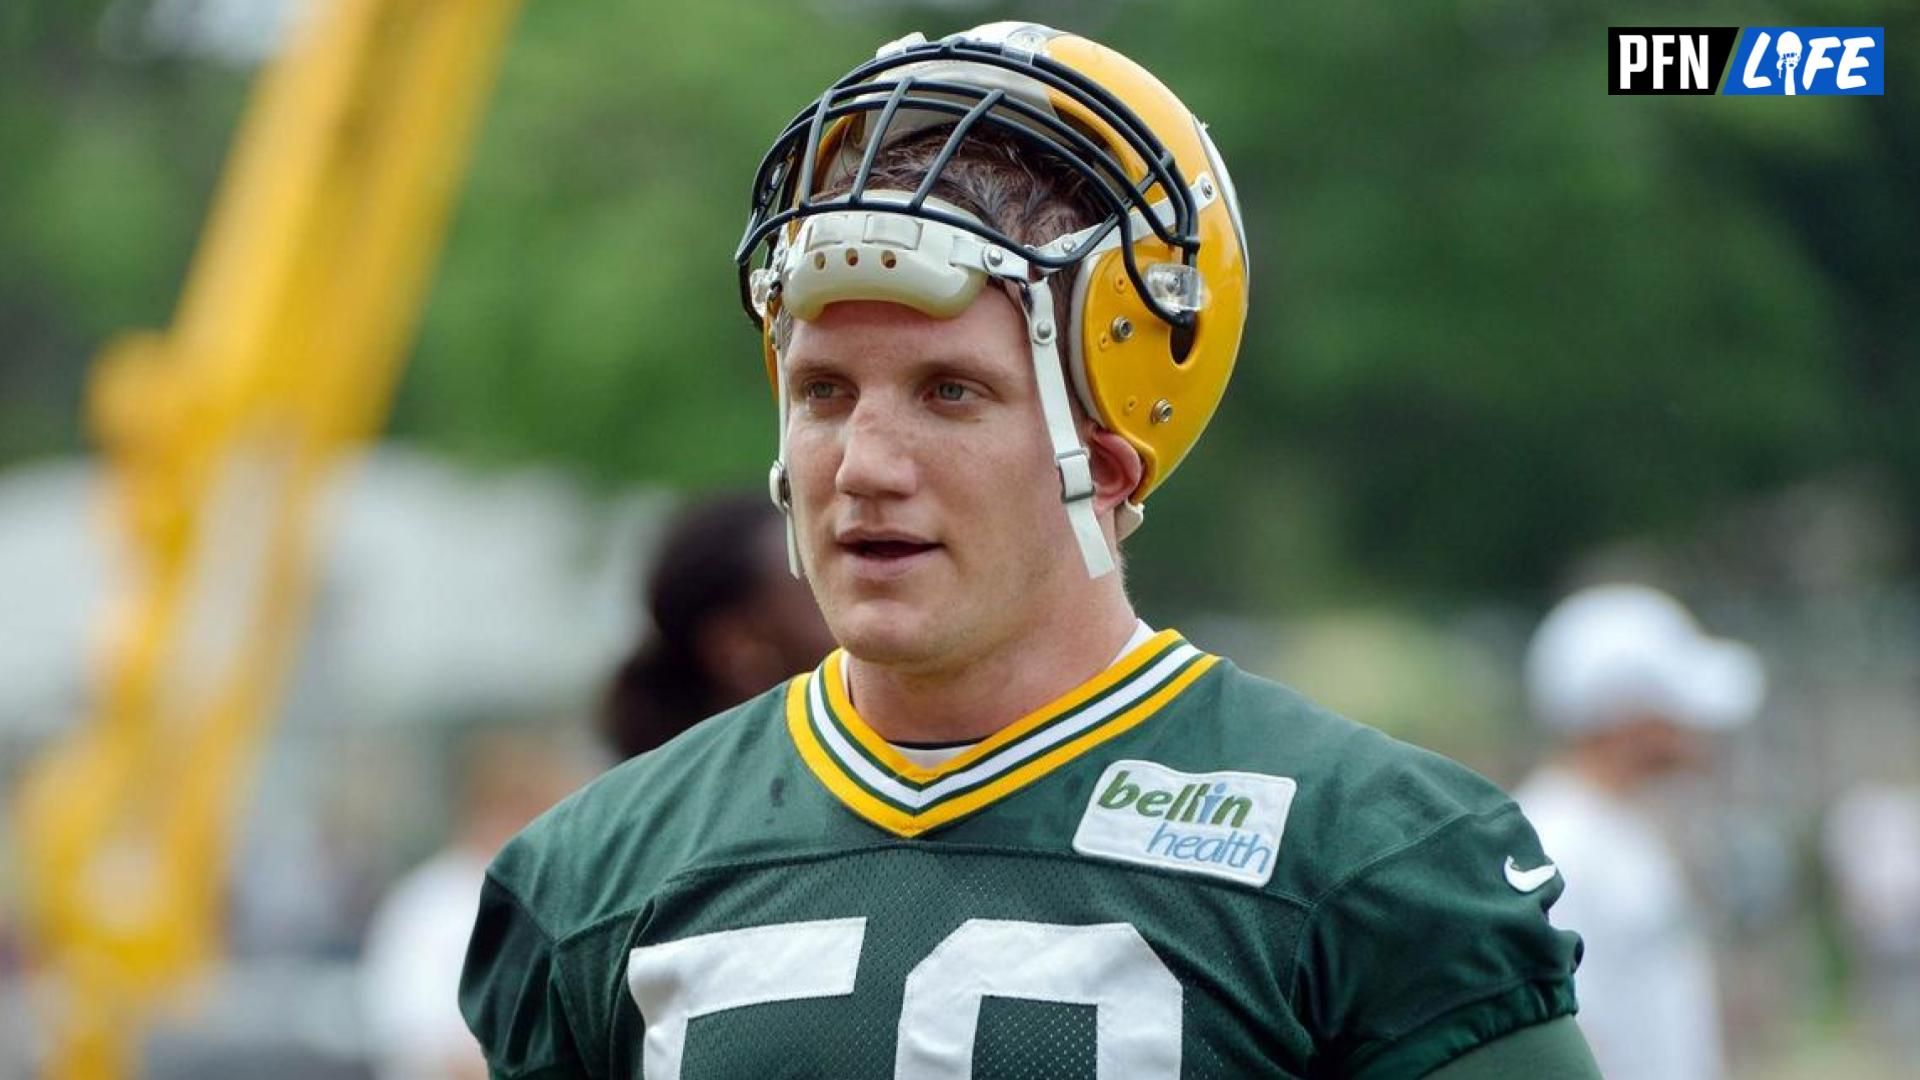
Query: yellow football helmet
{"x":1159,"y":285}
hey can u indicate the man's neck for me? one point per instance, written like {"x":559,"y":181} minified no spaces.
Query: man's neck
{"x":974,"y":699}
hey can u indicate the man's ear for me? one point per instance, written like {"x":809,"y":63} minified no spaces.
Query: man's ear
{"x":1117,"y":469}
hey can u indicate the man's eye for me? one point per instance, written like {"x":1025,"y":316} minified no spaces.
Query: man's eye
{"x":950,"y":391}
{"x":817,"y":389}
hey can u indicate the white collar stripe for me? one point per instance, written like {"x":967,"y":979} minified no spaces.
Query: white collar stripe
{"x":825,"y":714}
{"x":912,"y":798}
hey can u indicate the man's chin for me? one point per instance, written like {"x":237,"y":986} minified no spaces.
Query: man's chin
{"x":888,"y":632}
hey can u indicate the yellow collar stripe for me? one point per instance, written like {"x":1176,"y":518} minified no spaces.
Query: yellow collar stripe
{"x":884,"y":753}
{"x":1069,"y":716}
{"x":890,"y":802}
{"x":914,"y":796}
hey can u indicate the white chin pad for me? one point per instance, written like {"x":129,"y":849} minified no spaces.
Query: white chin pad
{"x":881,"y":255}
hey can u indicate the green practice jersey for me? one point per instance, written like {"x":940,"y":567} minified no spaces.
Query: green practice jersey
{"x":1177,"y":870}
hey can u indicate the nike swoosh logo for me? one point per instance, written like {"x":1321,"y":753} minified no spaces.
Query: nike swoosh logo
{"x":1528,"y":880}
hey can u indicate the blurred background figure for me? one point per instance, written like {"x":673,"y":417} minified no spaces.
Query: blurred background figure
{"x":1632,"y":691}
{"x":417,"y":939}
{"x":1871,"y":844}
{"x":729,"y":621}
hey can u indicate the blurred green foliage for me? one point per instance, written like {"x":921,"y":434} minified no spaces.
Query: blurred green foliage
{"x":1499,"y":315}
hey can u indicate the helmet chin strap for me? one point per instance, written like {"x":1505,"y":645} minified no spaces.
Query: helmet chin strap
{"x":1070,"y":457}
{"x":779,"y":488}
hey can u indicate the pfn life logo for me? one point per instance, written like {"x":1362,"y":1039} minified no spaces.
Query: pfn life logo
{"x":1780,"y":60}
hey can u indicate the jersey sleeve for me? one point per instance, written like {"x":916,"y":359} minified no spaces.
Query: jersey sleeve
{"x":1555,"y":1048}
{"x":1435,"y":948}
{"x":511,"y":993}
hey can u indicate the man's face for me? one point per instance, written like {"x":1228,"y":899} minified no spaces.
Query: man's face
{"x":1652,"y":748}
{"x":925,"y":496}
{"x":1668,"y":748}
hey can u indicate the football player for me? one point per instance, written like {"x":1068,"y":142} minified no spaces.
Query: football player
{"x":1007,"y":828}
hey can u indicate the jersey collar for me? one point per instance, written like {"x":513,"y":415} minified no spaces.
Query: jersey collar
{"x":876,"y":782}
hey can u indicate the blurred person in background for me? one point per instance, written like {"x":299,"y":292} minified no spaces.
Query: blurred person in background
{"x":417,"y":938}
{"x":1871,"y":848}
{"x":1009,"y":825}
{"x":1633,"y":693}
{"x":729,"y":621}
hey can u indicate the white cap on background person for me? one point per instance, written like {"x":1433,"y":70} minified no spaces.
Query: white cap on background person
{"x":1615,"y":653}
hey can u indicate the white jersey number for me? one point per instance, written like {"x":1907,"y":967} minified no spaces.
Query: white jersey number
{"x":1109,"y":966}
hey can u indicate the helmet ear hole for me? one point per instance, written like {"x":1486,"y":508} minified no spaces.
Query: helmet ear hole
{"x":1180,"y":341}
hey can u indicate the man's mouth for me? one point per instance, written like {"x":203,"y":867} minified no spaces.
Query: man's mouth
{"x":887,"y":549}
{"x":880,"y":547}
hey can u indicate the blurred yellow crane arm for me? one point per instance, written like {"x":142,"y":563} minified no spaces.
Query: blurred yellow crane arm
{"x":221,"y":434}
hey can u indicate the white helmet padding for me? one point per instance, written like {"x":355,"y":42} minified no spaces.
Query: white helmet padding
{"x":876,"y":255}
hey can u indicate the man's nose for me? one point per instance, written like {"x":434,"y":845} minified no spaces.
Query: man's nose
{"x":876,"y":458}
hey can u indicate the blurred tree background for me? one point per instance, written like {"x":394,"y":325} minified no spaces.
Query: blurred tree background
{"x":1499,"y":315}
